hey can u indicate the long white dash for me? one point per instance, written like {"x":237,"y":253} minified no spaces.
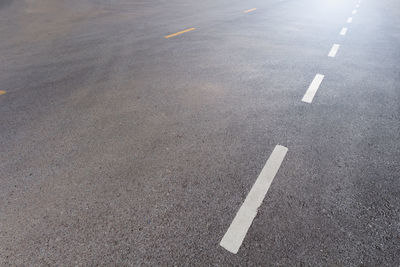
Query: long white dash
{"x":354,"y":11}
{"x":312,"y":89}
{"x":343,"y":31}
{"x":237,"y":231}
{"x":334,"y":50}
{"x":349,"y":20}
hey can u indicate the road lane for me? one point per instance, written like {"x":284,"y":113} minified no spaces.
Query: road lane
{"x":122,"y":147}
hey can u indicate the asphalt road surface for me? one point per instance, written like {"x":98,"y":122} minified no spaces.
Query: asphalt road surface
{"x":213,"y":132}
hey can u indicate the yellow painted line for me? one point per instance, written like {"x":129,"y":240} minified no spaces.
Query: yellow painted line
{"x":2,"y":92}
{"x":250,"y":10}
{"x":178,"y":33}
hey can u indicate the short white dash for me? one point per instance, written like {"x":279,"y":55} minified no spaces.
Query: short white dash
{"x":354,"y":11}
{"x":357,"y":6}
{"x":343,"y":31}
{"x":334,"y":50}
{"x":349,"y":20}
{"x":237,"y":231}
{"x":312,"y":89}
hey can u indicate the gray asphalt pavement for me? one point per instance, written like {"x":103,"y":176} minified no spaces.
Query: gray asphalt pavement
{"x":119,"y":146}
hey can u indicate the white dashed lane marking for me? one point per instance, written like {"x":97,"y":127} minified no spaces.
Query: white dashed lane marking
{"x":343,"y":31}
{"x":312,"y":89}
{"x":237,"y":231}
{"x":334,"y":50}
{"x":349,"y":20}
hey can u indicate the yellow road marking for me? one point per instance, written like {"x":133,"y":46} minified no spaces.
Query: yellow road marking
{"x":177,"y":33}
{"x":250,"y":10}
{"x":2,"y":92}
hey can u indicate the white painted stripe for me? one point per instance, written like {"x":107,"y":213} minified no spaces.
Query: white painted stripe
{"x":334,"y":50}
{"x":343,"y":31}
{"x":357,"y":6}
{"x":349,"y":20}
{"x":354,"y":11}
{"x":312,"y":89}
{"x":237,"y":231}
